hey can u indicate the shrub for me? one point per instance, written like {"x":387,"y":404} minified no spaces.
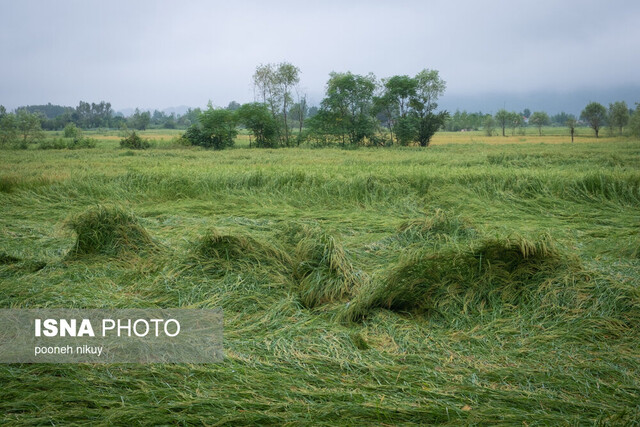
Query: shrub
{"x":82,"y":142}
{"x":216,"y":129}
{"x":71,"y":131}
{"x":194,"y":136}
{"x":438,"y":226}
{"x":134,"y":142}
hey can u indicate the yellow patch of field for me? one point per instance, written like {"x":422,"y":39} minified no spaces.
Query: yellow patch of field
{"x":479,"y":137}
{"x":550,"y":135}
{"x":155,"y":134}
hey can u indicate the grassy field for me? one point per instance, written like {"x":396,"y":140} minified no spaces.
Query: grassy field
{"x":165,"y":138}
{"x":479,"y":281}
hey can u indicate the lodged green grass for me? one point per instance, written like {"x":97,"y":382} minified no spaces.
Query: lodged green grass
{"x":321,"y":268}
{"x":108,"y":230}
{"x":461,"y":284}
{"x":460,"y":280}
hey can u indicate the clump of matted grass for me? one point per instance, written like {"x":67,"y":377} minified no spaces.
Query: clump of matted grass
{"x":435,"y":228}
{"x":8,"y":183}
{"x":16,"y":264}
{"x":226,"y":251}
{"x":439,"y":225}
{"x":5,"y":258}
{"x":108,"y":230}
{"x":465,"y":279}
{"x":322,"y":269}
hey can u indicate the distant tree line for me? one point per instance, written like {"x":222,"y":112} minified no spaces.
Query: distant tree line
{"x":101,"y":115}
{"x":464,"y":121}
{"x":22,"y":128}
{"x":594,"y":115}
{"x":356,"y":110}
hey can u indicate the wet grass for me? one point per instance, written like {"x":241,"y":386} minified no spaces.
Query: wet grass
{"x":467,"y":283}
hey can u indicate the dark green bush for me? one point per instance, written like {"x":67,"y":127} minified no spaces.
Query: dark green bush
{"x":134,"y":141}
{"x":216,"y":128}
{"x":71,"y":131}
{"x":82,"y":142}
{"x":195,"y":136}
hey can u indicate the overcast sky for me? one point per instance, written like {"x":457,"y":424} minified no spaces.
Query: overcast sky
{"x":158,"y":54}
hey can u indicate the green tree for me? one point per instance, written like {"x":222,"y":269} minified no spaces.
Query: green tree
{"x":170,"y":121}
{"x":560,"y":119}
{"x":394,"y":104}
{"x":618,"y":115}
{"x":218,"y":128}
{"x":71,"y":131}
{"x":489,"y":125}
{"x":287,"y":76}
{"x":265,"y":86}
{"x":158,"y":117}
{"x":91,"y":115}
{"x":503,"y":118}
{"x":429,"y":87}
{"x":273,"y":84}
{"x":59,"y":122}
{"x":428,"y":124}
{"x":28,"y":127}
{"x":385,"y":111}
{"x":539,"y":119}
{"x":349,"y":99}
{"x":140,"y":119}
{"x":325,"y":127}
{"x":8,"y":129}
{"x":515,"y":122}
{"x":571,"y":124}
{"x":526,"y":113}
{"x":299,"y":112}
{"x":400,"y":90}
{"x":257,"y":118}
{"x":462,"y":120}
{"x":634,"y":122}
{"x":313,"y":110}
{"x":189,"y":117}
{"x":406,"y":129}
{"x":595,"y":115}
{"x":233,"y":106}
